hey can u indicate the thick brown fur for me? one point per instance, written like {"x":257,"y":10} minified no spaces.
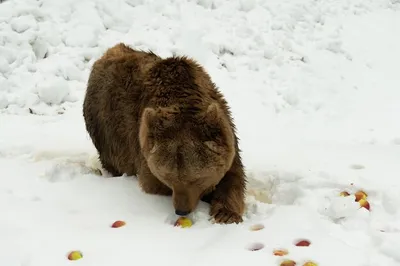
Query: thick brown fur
{"x":165,"y":121}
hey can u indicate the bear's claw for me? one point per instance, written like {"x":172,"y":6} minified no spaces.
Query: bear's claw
{"x":225,"y":216}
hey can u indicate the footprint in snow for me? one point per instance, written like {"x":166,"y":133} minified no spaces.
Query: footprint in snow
{"x":357,"y":166}
{"x":66,"y":171}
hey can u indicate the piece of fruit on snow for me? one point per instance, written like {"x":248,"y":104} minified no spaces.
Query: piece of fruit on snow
{"x":75,"y":255}
{"x":280,"y":252}
{"x":303,"y":243}
{"x":364,"y":204}
{"x":344,"y":194}
{"x":310,"y":263}
{"x":360,"y":195}
{"x":256,"y":227}
{"x":183,"y":222}
{"x":288,"y":263}
{"x":118,"y":224}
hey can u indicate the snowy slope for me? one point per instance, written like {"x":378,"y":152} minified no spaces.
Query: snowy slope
{"x":315,"y":92}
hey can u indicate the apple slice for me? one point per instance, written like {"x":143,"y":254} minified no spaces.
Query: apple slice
{"x":288,"y":263}
{"x":280,"y":252}
{"x":256,"y":227}
{"x":360,"y":195}
{"x":310,"y":263}
{"x":303,"y":243}
{"x":118,"y":224}
{"x":364,"y":204}
{"x":183,"y":222}
{"x":75,"y":255}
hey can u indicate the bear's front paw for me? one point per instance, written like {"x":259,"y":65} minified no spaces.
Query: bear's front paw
{"x":223,"y":215}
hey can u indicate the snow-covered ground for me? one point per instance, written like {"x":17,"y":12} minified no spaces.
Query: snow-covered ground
{"x":314,"y":86}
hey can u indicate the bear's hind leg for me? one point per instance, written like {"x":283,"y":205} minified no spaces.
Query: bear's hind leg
{"x":108,"y":166}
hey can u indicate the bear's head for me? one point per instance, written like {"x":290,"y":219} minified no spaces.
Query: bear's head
{"x":188,"y":150}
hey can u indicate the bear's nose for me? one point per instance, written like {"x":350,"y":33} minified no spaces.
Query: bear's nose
{"x":181,"y":213}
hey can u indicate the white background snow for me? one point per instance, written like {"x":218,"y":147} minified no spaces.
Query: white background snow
{"x":314,"y":87}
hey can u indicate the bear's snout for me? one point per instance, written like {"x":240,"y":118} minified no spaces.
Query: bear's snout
{"x":185,"y":200}
{"x":181,"y":213}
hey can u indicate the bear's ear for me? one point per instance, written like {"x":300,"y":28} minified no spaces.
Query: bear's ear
{"x":159,"y":118}
{"x":213,"y":112}
{"x":144,"y":138}
{"x":215,"y":117}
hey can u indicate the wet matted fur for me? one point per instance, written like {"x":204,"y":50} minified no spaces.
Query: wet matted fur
{"x":165,"y":121}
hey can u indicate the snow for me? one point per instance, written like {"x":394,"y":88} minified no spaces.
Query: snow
{"x":314,"y":89}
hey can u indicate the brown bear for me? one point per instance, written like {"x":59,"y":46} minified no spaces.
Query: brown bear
{"x":164,"y":121}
